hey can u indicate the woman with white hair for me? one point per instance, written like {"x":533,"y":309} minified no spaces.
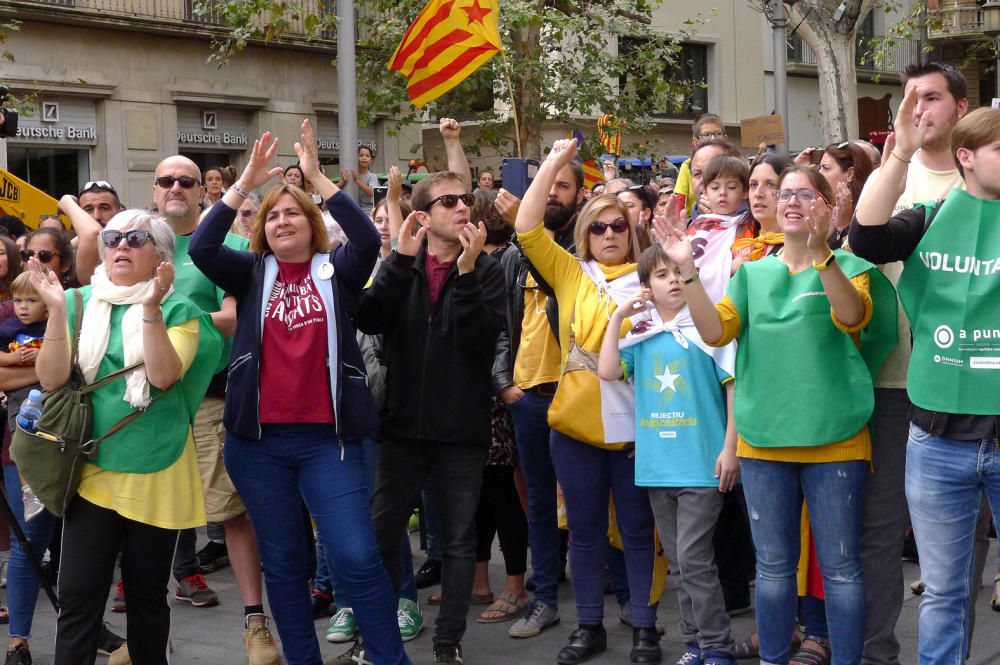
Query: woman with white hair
{"x":142,"y":485}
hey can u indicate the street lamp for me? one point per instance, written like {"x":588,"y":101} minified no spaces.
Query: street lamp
{"x":991,"y":28}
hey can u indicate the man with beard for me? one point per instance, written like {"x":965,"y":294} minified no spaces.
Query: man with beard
{"x":531,"y":368}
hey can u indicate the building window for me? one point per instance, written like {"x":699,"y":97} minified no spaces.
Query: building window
{"x":54,"y":170}
{"x":208,"y":15}
{"x":688,"y":73}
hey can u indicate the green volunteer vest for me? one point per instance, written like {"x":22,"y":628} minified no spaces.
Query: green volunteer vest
{"x":800,"y":381}
{"x":155,"y":440}
{"x":950,"y":289}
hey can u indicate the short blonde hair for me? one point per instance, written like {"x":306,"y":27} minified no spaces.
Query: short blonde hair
{"x":320,"y":240}
{"x":590,"y":212}
{"x":22,"y":286}
{"x":978,"y":128}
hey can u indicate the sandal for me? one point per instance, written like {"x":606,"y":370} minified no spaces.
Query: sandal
{"x":746,"y":649}
{"x":505,"y":608}
{"x":4,"y":614}
{"x":474,"y":599}
{"x":810,"y":656}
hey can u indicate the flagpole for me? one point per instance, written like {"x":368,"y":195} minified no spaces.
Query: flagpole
{"x":513,"y":104}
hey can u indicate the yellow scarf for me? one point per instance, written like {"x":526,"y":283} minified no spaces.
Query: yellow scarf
{"x":758,"y":246}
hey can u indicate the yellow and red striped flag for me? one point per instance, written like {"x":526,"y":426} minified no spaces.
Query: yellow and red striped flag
{"x":448,"y":41}
{"x":609,"y":132}
{"x":592,"y":174}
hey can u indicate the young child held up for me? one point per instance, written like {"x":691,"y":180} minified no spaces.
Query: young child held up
{"x":685,"y":441}
{"x":20,"y":339}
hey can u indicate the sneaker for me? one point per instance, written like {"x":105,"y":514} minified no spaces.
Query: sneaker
{"x":356,"y":655}
{"x":718,"y":658}
{"x":120,"y":657}
{"x":691,"y":657}
{"x":409,"y":618}
{"x":4,"y":560}
{"x":107,"y":641}
{"x":193,"y":589}
{"x":343,"y":626}
{"x":448,"y":653}
{"x":322,"y":604}
{"x":537,"y":618}
{"x":414,"y":523}
{"x":428,"y":575}
{"x":32,"y":506}
{"x":259,"y":644}
{"x":118,"y":601}
{"x":212,"y":557}
{"x":19,"y":655}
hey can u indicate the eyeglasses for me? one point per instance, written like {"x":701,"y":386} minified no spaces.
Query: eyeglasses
{"x":247,"y":213}
{"x":620,"y":225}
{"x":135,"y":239}
{"x":167,"y":181}
{"x":451,"y":200}
{"x":43,"y":255}
{"x":42,"y":218}
{"x":103,"y":185}
{"x":804,"y":195}
{"x":711,"y":135}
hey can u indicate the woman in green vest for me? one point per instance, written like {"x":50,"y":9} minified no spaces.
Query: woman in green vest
{"x":143,"y":484}
{"x":807,"y":335}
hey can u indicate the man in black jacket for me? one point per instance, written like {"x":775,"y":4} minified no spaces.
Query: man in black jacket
{"x":532,"y":368}
{"x":439,"y":302}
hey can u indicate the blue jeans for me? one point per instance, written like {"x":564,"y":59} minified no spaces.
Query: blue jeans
{"x":290,"y":464}
{"x":326,"y":573}
{"x":588,"y":475}
{"x":945,"y":480}
{"x":22,"y":580}
{"x":834,"y":492}
{"x":531,"y":431}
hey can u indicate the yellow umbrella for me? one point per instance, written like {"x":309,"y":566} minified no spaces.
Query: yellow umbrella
{"x":24,"y":201}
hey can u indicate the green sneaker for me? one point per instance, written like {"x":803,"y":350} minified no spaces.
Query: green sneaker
{"x":409,"y":618}
{"x":414,"y":523}
{"x":343,"y":626}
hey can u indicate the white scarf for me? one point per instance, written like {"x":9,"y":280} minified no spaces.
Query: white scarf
{"x":714,"y":235}
{"x":95,"y":330}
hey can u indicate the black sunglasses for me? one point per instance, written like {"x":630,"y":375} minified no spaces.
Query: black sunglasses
{"x":43,"y":255}
{"x":451,"y":200}
{"x":247,"y":213}
{"x":167,"y":181}
{"x":102,"y":185}
{"x":620,"y":225}
{"x":135,"y":239}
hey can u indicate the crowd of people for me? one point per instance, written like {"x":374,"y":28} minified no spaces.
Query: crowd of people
{"x":759,"y":378}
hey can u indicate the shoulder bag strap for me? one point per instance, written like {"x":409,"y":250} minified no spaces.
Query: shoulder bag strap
{"x":90,"y":447}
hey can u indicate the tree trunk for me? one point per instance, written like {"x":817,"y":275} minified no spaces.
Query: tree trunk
{"x":834,"y":45}
{"x":527,"y":97}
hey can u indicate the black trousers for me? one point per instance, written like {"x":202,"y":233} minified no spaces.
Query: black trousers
{"x":500,"y":513}
{"x":456,"y":474}
{"x":92,"y":538}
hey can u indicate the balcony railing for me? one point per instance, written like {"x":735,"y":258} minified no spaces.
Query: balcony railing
{"x":172,"y":14}
{"x":891,"y":58}
{"x":955,"y":21}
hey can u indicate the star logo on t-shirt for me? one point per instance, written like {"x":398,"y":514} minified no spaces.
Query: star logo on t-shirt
{"x":667,"y":380}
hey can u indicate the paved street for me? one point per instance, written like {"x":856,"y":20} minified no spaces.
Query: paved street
{"x":212,"y":635}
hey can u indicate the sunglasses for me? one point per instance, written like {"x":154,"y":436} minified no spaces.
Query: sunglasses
{"x":451,"y":200}
{"x":135,"y":239}
{"x":620,"y":225}
{"x":803,"y":195}
{"x":167,"y":181}
{"x":247,"y":213}
{"x":44,"y":255}
{"x":103,"y":185}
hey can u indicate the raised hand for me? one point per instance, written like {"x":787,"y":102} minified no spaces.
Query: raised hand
{"x":450,"y":129}
{"x":257,"y":172}
{"x":507,"y":205}
{"x":676,"y":245}
{"x":818,"y":224}
{"x":305,"y":148}
{"x":160,"y":285}
{"x":909,"y":130}
{"x":845,"y":206}
{"x":395,"y":184}
{"x":472,"y":238}
{"x":562,"y":153}
{"x":637,"y":304}
{"x":804,"y":158}
{"x":46,"y":283}
{"x":408,"y":244}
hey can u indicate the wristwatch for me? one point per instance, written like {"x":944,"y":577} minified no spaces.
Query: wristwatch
{"x":825,"y":263}
{"x":692,"y":278}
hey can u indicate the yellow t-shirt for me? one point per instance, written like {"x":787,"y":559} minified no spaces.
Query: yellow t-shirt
{"x":922,"y":186}
{"x":170,"y":498}
{"x":857,"y":447}
{"x":537,"y":359}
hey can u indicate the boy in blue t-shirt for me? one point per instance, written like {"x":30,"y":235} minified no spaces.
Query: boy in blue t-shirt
{"x":685,"y":442}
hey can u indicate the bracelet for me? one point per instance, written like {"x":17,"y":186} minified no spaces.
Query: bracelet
{"x":692,"y":278}
{"x":239,"y":190}
{"x":825,"y":263}
{"x":155,"y":319}
{"x":893,"y":154}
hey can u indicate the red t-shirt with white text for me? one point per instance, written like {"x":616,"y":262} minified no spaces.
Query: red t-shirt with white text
{"x":294,"y":378}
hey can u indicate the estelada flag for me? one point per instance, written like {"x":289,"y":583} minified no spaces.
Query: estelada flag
{"x":609,"y":132}
{"x":448,"y":41}
{"x":592,"y":174}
